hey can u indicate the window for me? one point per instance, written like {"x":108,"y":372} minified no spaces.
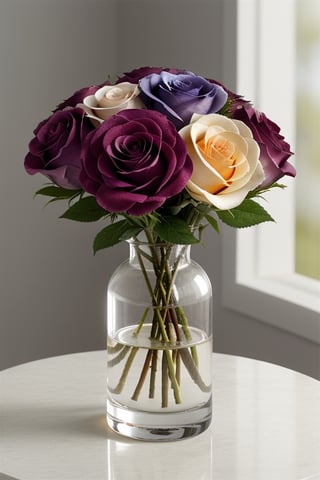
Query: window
{"x":259,"y":276}
{"x":308,"y":139}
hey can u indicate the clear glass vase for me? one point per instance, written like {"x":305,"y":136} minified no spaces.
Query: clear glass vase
{"x":159,"y":344}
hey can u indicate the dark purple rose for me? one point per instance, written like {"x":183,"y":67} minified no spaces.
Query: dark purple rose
{"x":235,"y":100}
{"x":274,"y":150}
{"x":55,"y":149}
{"x":134,"y":161}
{"x":180,"y":96}
{"x":78,"y":96}
{"x":135,"y":75}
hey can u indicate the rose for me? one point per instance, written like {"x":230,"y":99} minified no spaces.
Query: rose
{"x":225,"y":160}
{"x":55,"y":149}
{"x":111,"y":99}
{"x":179,"y":96}
{"x":234,"y":99}
{"x":77,"y":97}
{"x":274,"y":150}
{"x":135,"y":75}
{"x":134,"y":161}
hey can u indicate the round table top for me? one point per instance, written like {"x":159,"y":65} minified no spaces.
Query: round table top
{"x":266,"y":426}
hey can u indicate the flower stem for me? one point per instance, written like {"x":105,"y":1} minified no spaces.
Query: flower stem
{"x":154,"y":363}
{"x":164,"y":382}
{"x":142,"y":320}
{"x":143,"y":376}
{"x":185,"y":328}
{"x":175,"y":385}
{"x":192,"y":369}
{"x":168,"y":322}
{"x":123,"y":352}
{"x":118,"y":389}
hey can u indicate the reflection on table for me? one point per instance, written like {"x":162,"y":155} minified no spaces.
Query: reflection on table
{"x":266,"y":426}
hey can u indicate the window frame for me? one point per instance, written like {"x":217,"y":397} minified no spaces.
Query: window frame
{"x":258,"y":264}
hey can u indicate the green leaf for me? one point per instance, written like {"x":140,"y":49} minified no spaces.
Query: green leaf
{"x":114,"y":233}
{"x":213,"y":222}
{"x":57,"y":192}
{"x":85,"y":210}
{"x":175,"y":230}
{"x":247,"y":214}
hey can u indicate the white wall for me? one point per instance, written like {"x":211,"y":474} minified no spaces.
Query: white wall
{"x":52,"y":287}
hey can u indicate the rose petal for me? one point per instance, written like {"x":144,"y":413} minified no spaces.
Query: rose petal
{"x":225,"y":160}
{"x":135,"y":160}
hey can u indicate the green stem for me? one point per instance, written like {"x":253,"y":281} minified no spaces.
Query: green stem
{"x":164,"y":383}
{"x":186,"y":331}
{"x":153,"y":296}
{"x":154,"y":363}
{"x":142,"y":320}
{"x":112,"y":349}
{"x":118,"y":389}
{"x":175,"y":385}
{"x":143,"y":376}
{"x":178,"y":367}
{"x":123,"y":352}
{"x":165,"y":322}
{"x":192,"y":369}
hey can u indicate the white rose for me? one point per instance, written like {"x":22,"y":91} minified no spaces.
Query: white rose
{"x":225,"y":160}
{"x":111,"y":99}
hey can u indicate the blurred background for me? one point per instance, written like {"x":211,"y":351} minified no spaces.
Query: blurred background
{"x":308,"y":139}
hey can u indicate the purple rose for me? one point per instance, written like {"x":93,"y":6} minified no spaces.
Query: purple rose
{"x":78,"y":97}
{"x":235,"y":101}
{"x":180,"y":96}
{"x":55,"y":149}
{"x":274,"y":150}
{"x":135,"y":75}
{"x":134,"y":161}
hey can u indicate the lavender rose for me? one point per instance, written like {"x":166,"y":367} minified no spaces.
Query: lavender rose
{"x":274,"y":150}
{"x":55,"y":149}
{"x":134,"y":161}
{"x":180,"y":96}
{"x":135,"y":75}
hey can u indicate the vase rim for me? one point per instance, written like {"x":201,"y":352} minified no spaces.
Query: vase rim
{"x":160,"y":243}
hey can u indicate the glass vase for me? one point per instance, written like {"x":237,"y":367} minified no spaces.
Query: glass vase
{"x":159,"y":344}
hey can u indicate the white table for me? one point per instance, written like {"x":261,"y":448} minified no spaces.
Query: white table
{"x":52,"y":426}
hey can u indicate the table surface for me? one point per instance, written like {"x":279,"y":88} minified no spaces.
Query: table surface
{"x":266,"y":426}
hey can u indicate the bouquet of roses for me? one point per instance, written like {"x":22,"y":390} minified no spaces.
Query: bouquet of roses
{"x":160,"y":153}
{"x":166,"y":150}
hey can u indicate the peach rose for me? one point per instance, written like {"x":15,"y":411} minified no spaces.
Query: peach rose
{"x":225,"y":160}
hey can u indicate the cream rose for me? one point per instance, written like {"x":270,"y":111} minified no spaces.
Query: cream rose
{"x":111,"y":99}
{"x":225,"y":160}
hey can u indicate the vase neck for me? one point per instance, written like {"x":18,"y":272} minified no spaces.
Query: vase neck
{"x":173,"y":255}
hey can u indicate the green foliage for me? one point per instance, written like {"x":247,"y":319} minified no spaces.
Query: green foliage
{"x":58,"y":193}
{"x":247,"y":214}
{"x":174,"y":230}
{"x":212,"y":222}
{"x":115,"y":233}
{"x":259,"y":192}
{"x":85,"y":210}
{"x":181,"y":223}
{"x":226,"y":108}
